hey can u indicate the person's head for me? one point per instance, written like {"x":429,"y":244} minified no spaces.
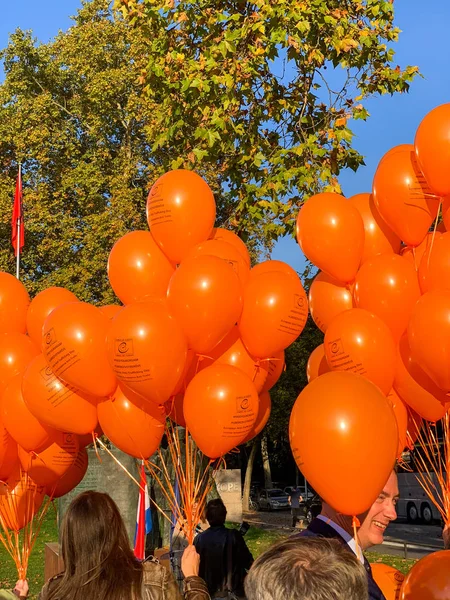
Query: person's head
{"x":307,"y":568}
{"x":216,"y":512}
{"x":98,"y":559}
{"x":379,"y":515}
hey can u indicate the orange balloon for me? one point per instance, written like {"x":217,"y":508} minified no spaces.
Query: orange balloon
{"x":130,"y":426}
{"x":415,"y":387}
{"x":41,"y":306}
{"x":264,"y":408}
{"x":220,"y":408}
{"x":14,"y":302}
{"x":387,"y":286}
{"x":20,"y":500}
{"x":227,"y":252}
{"x":56,"y":404}
{"x":225,"y":235}
{"x":415,"y":424}
{"x":49,"y":463}
{"x":86,"y":438}
{"x":378,"y":236}
{"x":429,"y":336}
{"x":328,"y":298}
{"x":192,"y":365}
{"x":429,"y":578}
{"x":20,"y":423}
{"x":332,"y":437}
{"x":330,"y":232}
{"x":71,"y":478}
{"x":360,"y":342}
{"x":317,"y":363}
{"x":8,"y":453}
{"x":432,"y":145}
{"x":175,"y":411}
{"x":445,"y":214}
{"x":74,"y":347}
{"x":205,"y":297}
{"x":268,"y":266}
{"x":415,"y":256}
{"x":274,"y":314}
{"x":388,"y":579}
{"x":274,"y":367}
{"x":110,"y":310}
{"x":403,"y":197}
{"x":147,"y":349}
{"x":401,"y":415}
{"x":16,"y":351}
{"x":434,"y":269}
{"x":137,"y":268}
{"x":181,"y":212}
{"x":231,"y":351}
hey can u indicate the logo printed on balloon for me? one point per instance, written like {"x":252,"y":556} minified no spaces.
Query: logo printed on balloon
{"x":59,"y":358}
{"x":126,"y":368}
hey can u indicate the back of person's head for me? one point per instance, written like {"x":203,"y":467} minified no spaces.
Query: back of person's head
{"x":98,"y":560}
{"x":216,"y":512}
{"x":307,"y":568}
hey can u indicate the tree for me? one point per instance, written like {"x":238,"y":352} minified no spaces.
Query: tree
{"x":262,"y":93}
{"x":71,"y":111}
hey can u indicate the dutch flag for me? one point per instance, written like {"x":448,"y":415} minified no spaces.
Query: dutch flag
{"x":143,"y":517}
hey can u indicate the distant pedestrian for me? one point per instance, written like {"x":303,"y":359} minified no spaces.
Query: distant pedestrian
{"x":294,"y":501}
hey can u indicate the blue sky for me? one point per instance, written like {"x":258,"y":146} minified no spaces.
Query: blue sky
{"x":393,"y":119}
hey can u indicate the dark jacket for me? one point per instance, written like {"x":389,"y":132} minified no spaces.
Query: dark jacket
{"x":212,"y":545}
{"x":319,"y":528}
{"x":158,"y":584}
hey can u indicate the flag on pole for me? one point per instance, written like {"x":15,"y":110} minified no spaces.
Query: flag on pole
{"x":17,"y":217}
{"x":143,"y":517}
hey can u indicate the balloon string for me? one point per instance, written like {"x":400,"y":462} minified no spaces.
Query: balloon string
{"x":434,"y":234}
{"x":355,"y":524}
{"x":117,"y":461}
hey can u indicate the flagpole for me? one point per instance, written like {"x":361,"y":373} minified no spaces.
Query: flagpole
{"x":18,"y":233}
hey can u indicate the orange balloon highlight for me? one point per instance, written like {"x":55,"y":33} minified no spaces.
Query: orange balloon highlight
{"x":388,"y":579}
{"x":432,"y":145}
{"x":415,"y":387}
{"x":333,"y":437}
{"x":317,"y":363}
{"x":14,"y":302}
{"x":74,"y":347}
{"x":330,"y":232}
{"x":387,"y":286}
{"x":328,"y":298}
{"x":225,"y":235}
{"x":181,"y":212}
{"x":402,"y":196}
{"x":274,"y":315}
{"x":428,"y":578}
{"x":41,"y":306}
{"x":137,"y":268}
{"x":220,"y":408}
{"x":147,"y":349}
{"x":359,"y":342}
{"x":378,"y":236}
{"x":205,"y":297}
{"x":56,"y":404}
{"x":49,"y":463}
{"x":18,"y":420}
{"x":16,"y":351}
{"x":129,"y":425}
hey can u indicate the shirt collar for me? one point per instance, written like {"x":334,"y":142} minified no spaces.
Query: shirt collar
{"x":350,"y":541}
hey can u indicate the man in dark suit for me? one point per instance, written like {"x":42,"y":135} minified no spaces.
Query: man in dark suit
{"x":331,"y":524}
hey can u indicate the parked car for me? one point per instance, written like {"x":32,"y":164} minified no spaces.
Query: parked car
{"x":272,"y":499}
{"x":311,"y":507}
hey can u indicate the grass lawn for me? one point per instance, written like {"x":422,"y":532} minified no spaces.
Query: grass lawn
{"x":258,"y":540}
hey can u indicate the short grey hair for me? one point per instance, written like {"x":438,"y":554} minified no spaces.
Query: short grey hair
{"x":307,"y":568}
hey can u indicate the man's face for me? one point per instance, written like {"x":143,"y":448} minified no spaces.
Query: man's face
{"x":380,"y":514}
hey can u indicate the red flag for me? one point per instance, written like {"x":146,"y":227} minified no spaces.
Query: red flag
{"x":17,"y":216}
{"x":139,"y":538}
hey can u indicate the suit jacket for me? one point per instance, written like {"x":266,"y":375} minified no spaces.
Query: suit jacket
{"x":319,"y":528}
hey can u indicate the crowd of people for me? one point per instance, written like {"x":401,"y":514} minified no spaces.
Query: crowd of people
{"x":323,"y":562}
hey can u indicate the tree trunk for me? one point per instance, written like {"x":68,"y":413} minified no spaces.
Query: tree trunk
{"x":266,"y":463}
{"x":248,"y":477}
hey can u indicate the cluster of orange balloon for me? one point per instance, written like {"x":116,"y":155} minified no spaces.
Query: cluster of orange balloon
{"x":201,"y":336}
{"x":382,"y":299}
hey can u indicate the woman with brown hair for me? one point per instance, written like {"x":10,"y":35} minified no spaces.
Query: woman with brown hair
{"x":100,"y":565}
